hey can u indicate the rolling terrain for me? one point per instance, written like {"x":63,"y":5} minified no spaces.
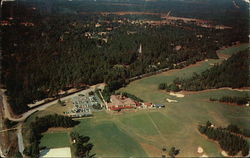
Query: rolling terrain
{"x":146,"y":132}
{"x":60,"y":56}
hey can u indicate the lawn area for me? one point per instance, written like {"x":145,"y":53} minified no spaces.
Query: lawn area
{"x":115,"y":134}
{"x":232,"y":50}
{"x":178,"y":122}
{"x":54,"y":109}
{"x":149,"y":85}
{"x":55,"y":140}
{"x":109,"y":140}
{"x":144,"y":133}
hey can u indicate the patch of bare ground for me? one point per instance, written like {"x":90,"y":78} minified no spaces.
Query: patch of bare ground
{"x":58,"y":129}
{"x":243,"y":89}
{"x":223,"y":56}
{"x":151,"y":150}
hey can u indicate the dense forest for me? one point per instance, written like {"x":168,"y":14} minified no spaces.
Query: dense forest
{"x":41,"y":125}
{"x":228,"y":140}
{"x":45,"y":50}
{"x":233,"y":73}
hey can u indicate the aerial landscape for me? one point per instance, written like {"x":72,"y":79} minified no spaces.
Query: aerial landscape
{"x":124,"y":78}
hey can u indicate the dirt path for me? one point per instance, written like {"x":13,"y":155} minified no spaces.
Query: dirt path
{"x":244,"y":89}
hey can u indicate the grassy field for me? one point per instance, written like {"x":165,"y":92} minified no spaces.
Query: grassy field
{"x":109,"y":139}
{"x":232,"y":50}
{"x":55,"y":140}
{"x":145,"y":132}
{"x":54,"y":109}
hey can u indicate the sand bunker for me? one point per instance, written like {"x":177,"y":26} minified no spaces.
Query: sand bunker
{"x":200,"y":150}
{"x":171,"y":101}
{"x":177,"y":95}
{"x":56,"y":153}
{"x":224,"y":153}
{"x":204,"y":155}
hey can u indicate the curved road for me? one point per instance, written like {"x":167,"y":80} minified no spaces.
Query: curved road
{"x":7,"y":113}
{"x":6,"y":106}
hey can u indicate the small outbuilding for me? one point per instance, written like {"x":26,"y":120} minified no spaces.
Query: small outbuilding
{"x":159,"y":105}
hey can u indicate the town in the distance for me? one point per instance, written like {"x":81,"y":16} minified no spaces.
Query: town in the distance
{"x":124,"y":78}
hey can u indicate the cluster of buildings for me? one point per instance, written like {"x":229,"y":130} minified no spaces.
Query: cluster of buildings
{"x":9,"y":23}
{"x":84,"y":104}
{"x":119,"y":102}
{"x":97,"y":35}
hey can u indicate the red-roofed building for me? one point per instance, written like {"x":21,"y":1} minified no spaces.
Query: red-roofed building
{"x":147,"y":105}
{"x":118,"y":102}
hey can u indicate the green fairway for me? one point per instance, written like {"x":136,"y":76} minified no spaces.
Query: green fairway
{"x":55,"y":140}
{"x":149,"y":85}
{"x":176,"y":125}
{"x":232,"y":50}
{"x":178,"y":122}
{"x":140,"y":123}
{"x":109,"y":140}
{"x":145,"y":132}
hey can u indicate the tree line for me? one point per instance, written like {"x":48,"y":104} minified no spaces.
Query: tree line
{"x":228,"y":141}
{"x":56,"y":55}
{"x":234,"y":99}
{"x":128,"y":95}
{"x":230,"y":73}
{"x":42,"y":124}
{"x":81,"y":145}
{"x":235,"y":129}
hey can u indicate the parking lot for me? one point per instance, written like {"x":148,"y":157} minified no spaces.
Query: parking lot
{"x":84,"y":104}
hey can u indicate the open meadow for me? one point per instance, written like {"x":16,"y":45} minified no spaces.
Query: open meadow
{"x":141,"y":133}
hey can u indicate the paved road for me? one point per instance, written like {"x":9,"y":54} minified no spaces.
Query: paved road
{"x":8,"y":115}
{"x":1,"y":153}
{"x":1,"y":127}
{"x":20,"y":139}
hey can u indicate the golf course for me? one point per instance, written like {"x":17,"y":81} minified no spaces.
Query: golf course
{"x":144,"y":132}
